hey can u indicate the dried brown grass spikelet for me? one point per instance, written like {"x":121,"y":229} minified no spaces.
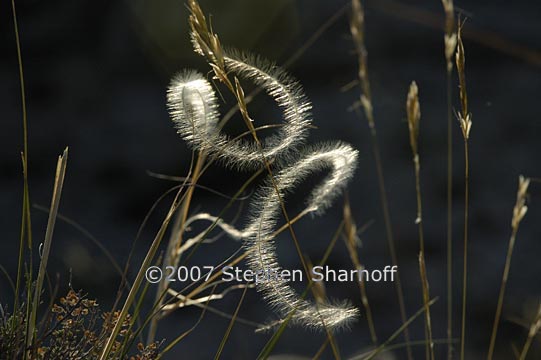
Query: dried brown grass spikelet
{"x":414,"y":116}
{"x":350,"y":230}
{"x":520,"y":209}
{"x":352,"y":241}
{"x":450,"y":37}
{"x":464,"y":116}
{"x":205,"y":42}
{"x":356,"y":27}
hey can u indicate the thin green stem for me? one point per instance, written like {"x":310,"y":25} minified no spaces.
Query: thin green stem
{"x":26,"y":228}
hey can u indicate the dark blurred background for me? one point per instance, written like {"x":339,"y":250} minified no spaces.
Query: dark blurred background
{"x":96,"y":75}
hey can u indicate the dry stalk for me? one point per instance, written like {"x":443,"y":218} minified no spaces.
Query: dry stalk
{"x":426,"y":301}
{"x":450,"y":40}
{"x":351,"y":240}
{"x":464,"y":118}
{"x":55,"y":203}
{"x":358,"y":34}
{"x":519,"y":211}
{"x":413,"y":110}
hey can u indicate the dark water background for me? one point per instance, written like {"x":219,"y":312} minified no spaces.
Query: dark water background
{"x":96,"y":74}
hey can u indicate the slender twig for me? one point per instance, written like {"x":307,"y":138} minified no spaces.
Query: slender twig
{"x":519,"y":211}
{"x":357,"y":32}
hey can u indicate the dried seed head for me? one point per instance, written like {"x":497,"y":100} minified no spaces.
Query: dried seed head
{"x":520,"y":209}
{"x":193,"y":107}
{"x":450,"y":41}
{"x":461,"y":67}
{"x":356,"y":27}
{"x":464,"y":117}
{"x":450,"y":38}
{"x":350,"y":229}
{"x":356,"y":24}
{"x":414,"y":116}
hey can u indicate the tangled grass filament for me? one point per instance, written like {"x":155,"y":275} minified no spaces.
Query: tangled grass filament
{"x":193,"y":107}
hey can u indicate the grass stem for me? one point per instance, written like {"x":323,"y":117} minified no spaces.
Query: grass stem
{"x":357,"y":32}
{"x":519,"y":211}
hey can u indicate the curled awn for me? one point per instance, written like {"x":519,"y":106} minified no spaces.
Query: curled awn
{"x":193,"y":107}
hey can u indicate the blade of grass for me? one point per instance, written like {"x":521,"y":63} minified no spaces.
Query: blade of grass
{"x":175,"y":240}
{"x":140,"y":275}
{"x":55,"y":203}
{"x":26,"y":224}
{"x":230,"y":326}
